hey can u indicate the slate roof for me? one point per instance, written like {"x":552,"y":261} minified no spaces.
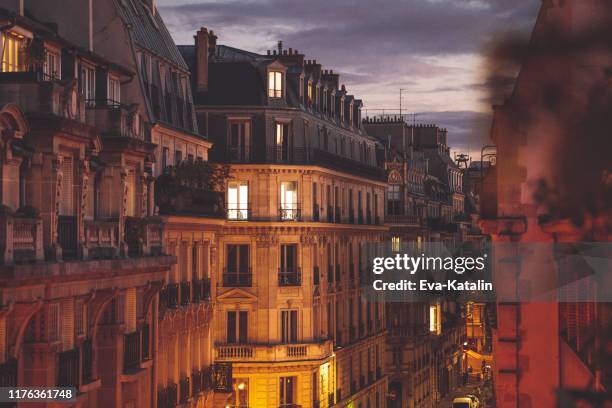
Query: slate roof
{"x":149,"y":31}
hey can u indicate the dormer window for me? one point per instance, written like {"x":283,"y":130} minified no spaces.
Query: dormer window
{"x":324,"y":99}
{"x":13,"y":52}
{"x":302,"y":89}
{"x":275,"y":84}
{"x":309,"y":93}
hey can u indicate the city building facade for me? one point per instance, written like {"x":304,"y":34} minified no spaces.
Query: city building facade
{"x":94,"y":113}
{"x":305,"y":193}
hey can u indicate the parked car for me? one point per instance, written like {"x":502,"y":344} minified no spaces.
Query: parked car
{"x":468,"y":401}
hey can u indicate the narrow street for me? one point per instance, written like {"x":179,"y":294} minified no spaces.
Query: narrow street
{"x":474,"y":387}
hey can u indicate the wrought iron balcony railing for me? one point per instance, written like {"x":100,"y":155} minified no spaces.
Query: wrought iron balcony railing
{"x":237,"y":279}
{"x":290,"y":278}
{"x":290,"y":213}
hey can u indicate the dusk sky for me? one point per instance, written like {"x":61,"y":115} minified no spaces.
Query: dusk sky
{"x":433,"y":49}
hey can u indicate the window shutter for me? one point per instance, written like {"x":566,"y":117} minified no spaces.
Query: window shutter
{"x":68,"y":324}
{"x":67,"y":196}
{"x":130,"y":310}
{"x":53,"y":322}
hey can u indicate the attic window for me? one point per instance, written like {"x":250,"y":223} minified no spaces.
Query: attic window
{"x":275,"y":84}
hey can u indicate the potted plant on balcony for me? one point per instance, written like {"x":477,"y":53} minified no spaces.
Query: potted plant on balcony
{"x":194,"y":187}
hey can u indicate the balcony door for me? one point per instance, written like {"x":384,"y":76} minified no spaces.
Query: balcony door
{"x":288,"y":392}
{"x":289,"y":209}
{"x":289,"y":326}
{"x":240,"y":141}
{"x":238,"y":201}
{"x":282,"y":142}
{"x":237,"y":327}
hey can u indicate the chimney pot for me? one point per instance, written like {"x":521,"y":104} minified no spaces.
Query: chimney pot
{"x":202,"y":44}
{"x":280,"y":47}
{"x":268,"y":52}
{"x":290,"y":51}
{"x":284,"y":52}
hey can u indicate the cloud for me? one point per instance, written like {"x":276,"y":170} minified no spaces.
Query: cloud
{"x":433,"y":49}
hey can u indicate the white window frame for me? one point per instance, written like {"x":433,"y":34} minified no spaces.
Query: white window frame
{"x":276,"y":84}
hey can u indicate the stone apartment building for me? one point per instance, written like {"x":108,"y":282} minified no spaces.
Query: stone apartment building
{"x":93,"y":110}
{"x":306,"y":193}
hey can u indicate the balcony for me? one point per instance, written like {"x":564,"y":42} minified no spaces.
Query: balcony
{"x":197,"y":382}
{"x":290,"y":278}
{"x":102,"y":239}
{"x":218,"y":378}
{"x":144,"y":236}
{"x":8,"y":373}
{"x":185,"y":293}
{"x":403,"y":219}
{"x":290,"y":213}
{"x":51,"y":100}
{"x":184,"y":390}
{"x":167,"y":397}
{"x":87,"y":356}
{"x":131,"y":351}
{"x":237,"y":279}
{"x":114,"y":119}
{"x":169,"y":296}
{"x":240,"y":154}
{"x":201,"y":290}
{"x":67,"y":235}
{"x":69,"y":369}
{"x":273,"y":352}
{"x":21,"y":239}
{"x":238,"y":213}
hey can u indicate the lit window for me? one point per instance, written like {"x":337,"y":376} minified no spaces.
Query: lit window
{"x":114,"y":91}
{"x":395,"y":244}
{"x":289,"y":210}
{"x":51,"y":67}
{"x":434,"y":319}
{"x":309,"y":92}
{"x":13,"y":50}
{"x":238,"y":201}
{"x":275,"y":84}
{"x":131,"y":193}
{"x":241,"y":392}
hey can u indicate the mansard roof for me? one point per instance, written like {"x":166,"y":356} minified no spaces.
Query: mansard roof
{"x":149,"y":31}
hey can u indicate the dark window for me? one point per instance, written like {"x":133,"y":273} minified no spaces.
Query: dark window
{"x":288,"y":390}
{"x":289,"y":326}
{"x":178,"y":157}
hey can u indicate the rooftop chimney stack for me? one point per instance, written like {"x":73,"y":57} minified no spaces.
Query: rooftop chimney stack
{"x":280,"y":48}
{"x":202,"y":48}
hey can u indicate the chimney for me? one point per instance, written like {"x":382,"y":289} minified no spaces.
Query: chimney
{"x":202,"y":52}
{"x":280,"y":48}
